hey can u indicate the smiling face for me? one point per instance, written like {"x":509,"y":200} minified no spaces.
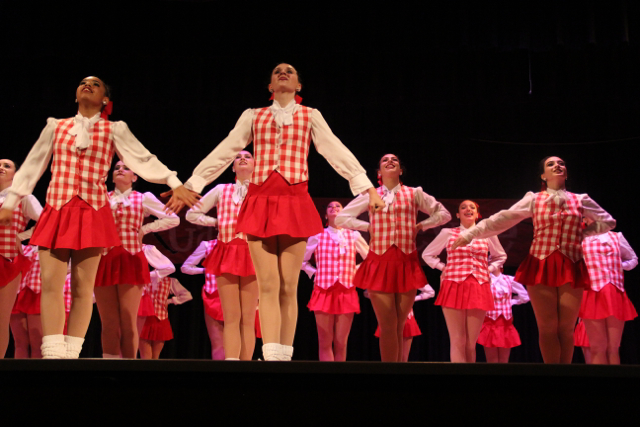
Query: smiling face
{"x":554,"y":170}
{"x":243,"y":164}
{"x":389,"y":166}
{"x":333,"y":209}
{"x":7,"y":170}
{"x":467,"y":213}
{"x":284,"y":78}
{"x":123,"y":177}
{"x":92,"y":90}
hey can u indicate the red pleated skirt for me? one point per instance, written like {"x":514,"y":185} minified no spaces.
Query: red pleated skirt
{"x":156,"y":330}
{"x":212,"y":305}
{"x":277,"y":207}
{"x":76,"y":226}
{"x":27,"y":302}
{"x":119,"y":267}
{"x":146,"y":306}
{"x":580,"y":338}
{"x":232,"y":258}
{"x":469,"y":294}
{"x":609,"y":301}
{"x":9,"y":269}
{"x":336,"y":300}
{"x":499,"y":333}
{"x":392,"y":272}
{"x":555,"y":270}
{"x":410,"y":330}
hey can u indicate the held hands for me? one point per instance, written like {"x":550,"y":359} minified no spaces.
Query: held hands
{"x":180,"y":196}
{"x":460,"y":241}
{"x":375,"y":202}
{"x":5,"y":217}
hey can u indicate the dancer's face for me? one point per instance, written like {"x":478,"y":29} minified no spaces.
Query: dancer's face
{"x":333,"y":209}
{"x":7,"y":170}
{"x":389,"y":166}
{"x":123,"y":176}
{"x":554,"y":169}
{"x":284,"y":78}
{"x":92,"y":89}
{"x":243,"y":163}
{"x":467,"y":213}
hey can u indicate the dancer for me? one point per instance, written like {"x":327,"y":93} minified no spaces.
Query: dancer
{"x":213,"y":316}
{"x":123,"y":269}
{"x":14,"y":265}
{"x":392,"y":272}
{"x":605,"y":305}
{"x":278,"y":215}
{"x":77,"y":223}
{"x":334,"y":299}
{"x":465,"y":290}
{"x":498,"y":335}
{"x":230,"y":261}
{"x":554,"y":271}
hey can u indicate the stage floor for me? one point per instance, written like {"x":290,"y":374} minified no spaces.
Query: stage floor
{"x":314,"y":393}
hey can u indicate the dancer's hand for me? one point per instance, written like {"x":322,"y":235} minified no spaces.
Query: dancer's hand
{"x":426,"y":292}
{"x":460,"y":241}
{"x":180,"y":196}
{"x":375,"y":202}
{"x":5,"y":217}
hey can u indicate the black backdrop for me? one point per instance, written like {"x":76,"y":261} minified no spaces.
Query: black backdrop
{"x":470,"y":95}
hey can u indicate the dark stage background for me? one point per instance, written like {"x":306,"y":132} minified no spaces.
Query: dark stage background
{"x":471,"y":95}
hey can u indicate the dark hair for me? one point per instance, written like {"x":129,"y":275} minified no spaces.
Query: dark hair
{"x":297,"y":73}
{"x":403,"y":169}
{"x":475,"y":203}
{"x":541,"y":170}
{"x":113,"y":169}
{"x":15,"y":164}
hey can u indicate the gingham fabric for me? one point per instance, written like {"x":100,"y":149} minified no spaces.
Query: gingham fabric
{"x":281,"y":148}
{"x":80,"y":173}
{"x":9,"y":235}
{"x":160,"y":294}
{"x":501,"y":301}
{"x":466,"y":260}
{"x":557,"y":227}
{"x":602,"y":256}
{"x":128,"y":221}
{"x":210,"y":285}
{"x":32,"y":279}
{"x":331,"y":266}
{"x":397,"y":226}
{"x":228,"y":215}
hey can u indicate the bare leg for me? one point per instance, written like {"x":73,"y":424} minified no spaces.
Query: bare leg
{"x":248,"y":305}
{"x":229,"y":291}
{"x":492,"y":354}
{"x":384,"y":305}
{"x":34,"y":323}
{"x":146,"y":350}
{"x":544,"y":300}
{"x":215,"y":328}
{"x":475,"y":318}
{"x":264,"y":254}
{"x":342,"y":327}
{"x":614,"y":334}
{"x":157,"y":348}
{"x":20,"y":331}
{"x":109,"y":309}
{"x":325,"y":324}
{"x":129,"y":301}
{"x":597,"y":334}
{"x":586,"y":351}
{"x":404,"y":304}
{"x":290,"y":259}
{"x":406,"y":348}
{"x":84,"y":266}
{"x":8,"y":295}
{"x":456,"y":325}
{"x":140,"y":324}
{"x":569,"y":300}
{"x":53,"y":264}
{"x":503,"y":355}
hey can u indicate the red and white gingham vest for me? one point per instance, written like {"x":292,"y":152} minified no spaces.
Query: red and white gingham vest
{"x":466,"y":260}
{"x":129,"y":221}
{"x":32,"y":279}
{"x":160,"y":295}
{"x":210,"y":284}
{"x":603,"y":261}
{"x":80,"y":173}
{"x":285,"y":149}
{"x":557,"y":227}
{"x":331,"y":266}
{"x":228,"y":216}
{"x":397,"y":226}
{"x":9,"y":235}
{"x":501,"y":303}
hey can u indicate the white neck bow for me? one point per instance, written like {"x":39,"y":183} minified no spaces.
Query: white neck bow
{"x":283,"y":116}
{"x":239,"y":191}
{"x":81,"y":128}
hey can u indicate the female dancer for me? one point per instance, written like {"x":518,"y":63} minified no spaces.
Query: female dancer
{"x":553,"y":272}
{"x":334,"y":299}
{"x":123,"y":270}
{"x":278,"y":215}
{"x":230,"y":261}
{"x":13,"y":264}
{"x":498,"y":335}
{"x":213,"y":316}
{"x":77,"y":223}
{"x":465,"y":292}
{"x":391,"y":272}
{"x":605,"y":305}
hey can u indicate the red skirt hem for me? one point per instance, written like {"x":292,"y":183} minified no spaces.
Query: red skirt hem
{"x":555,"y":270}
{"x":580,"y":338}
{"x":10,"y":268}
{"x":76,"y":226}
{"x":119,"y":267}
{"x":609,"y":301}
{"x":277,"y":207}
{"x":392,"y":272}
{"x":466,"y":295}
{"x":499,"y":333}
{"x":411,"y":329}
{"x":231,"y":258}
{"x":336,"y":300}
{"x":156,"y":330}
{"x":212,"y":305}
{"x":146,"y":306}
{"x":27,"y":302}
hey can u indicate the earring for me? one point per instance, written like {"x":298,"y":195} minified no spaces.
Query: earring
{"x":76,"y":100}
{"x":298,"y":90}
{"x":104,"y":102}
{"x":271,"y":90}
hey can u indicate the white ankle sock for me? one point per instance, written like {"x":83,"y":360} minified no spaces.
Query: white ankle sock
{"x":74,"y":346}
{"x":53,"y":347}
{"x":272,"y":351}
{"x":287,"y":352}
